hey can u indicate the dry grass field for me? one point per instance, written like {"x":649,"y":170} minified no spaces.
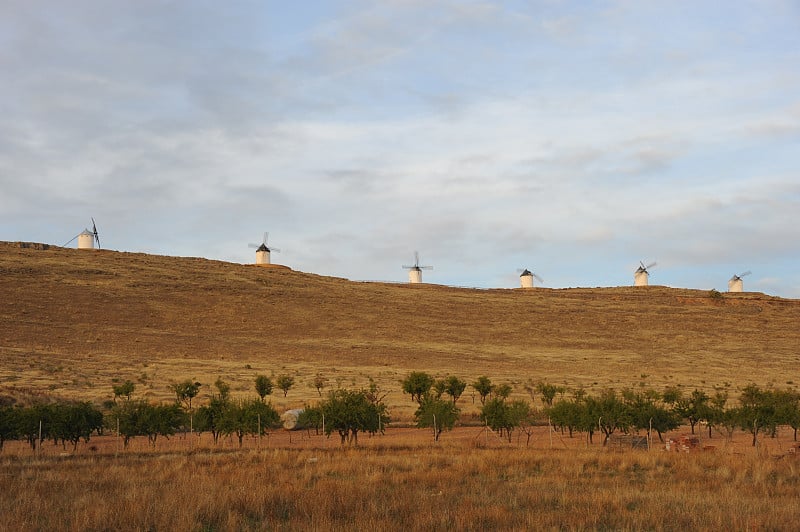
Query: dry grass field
{"x":71,"y":322}
{"x":465,"y":482}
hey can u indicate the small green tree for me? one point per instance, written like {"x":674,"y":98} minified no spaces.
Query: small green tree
{"x":437,"y":414}
{"x":128,"y":418}
{"x":223,"y":389}
{"x":77,"y":421}
{"x":503,"y":417}
{"x":310,"y":418}
{"x":715,"y":410}
{"x":790,"y":410}
{"x":520,"y":415}
{"x":417,"y":384}
{"x":234,"y":420}
{"x":484,"y":387}
{"x":787,"y":408}
{"x":9,"y":424}
{"x":349,"y":412}
{"x":694,"y":408}
{"x":36,"y":423}
{"x":646,"y":412}
{"x":610,"y":412}
{"x":319,"y":383}
{"x":454,"y":387}
{"x":263,"y":386}
{"x":124,"y":390}
{"x":159,"y":420}
{"x":548,"y":392}
{"x":758,"y":411}
{"x":185,"y":391}
{"x":374,"y":393}
{"x":439,"y":387}
{"x":285,"y":383}
{"x":248,"y":417}
{"x":671,"y":395}
{"x":729,"y":421}
{"x":566,"y":414}
{"x":502,"y":391}
{"x":209,"y":417}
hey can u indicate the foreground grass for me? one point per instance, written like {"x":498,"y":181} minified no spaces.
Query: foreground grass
{"x":401,"y":487}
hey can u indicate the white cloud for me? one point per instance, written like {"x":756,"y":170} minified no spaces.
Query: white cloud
{"x":488,"y":137}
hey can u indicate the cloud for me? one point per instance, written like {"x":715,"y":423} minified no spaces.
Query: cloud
{"x":486,"y":135}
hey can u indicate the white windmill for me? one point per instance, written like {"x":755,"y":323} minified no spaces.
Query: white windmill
{"x":526,"y":278}
{"x":641,"y":275}
{"x":736,"y":284}
{"x":86,"y":238}
{"x":415,"y":271}
{"x":263,"y":251}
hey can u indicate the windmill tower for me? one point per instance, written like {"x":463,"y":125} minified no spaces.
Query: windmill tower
{"x":526,"y":278}
{"x":262,"y":251}
{"x":735,"y":284}
{"x":415,"y":271}
{"x":86,"y":238}
{"x":641,"y":275}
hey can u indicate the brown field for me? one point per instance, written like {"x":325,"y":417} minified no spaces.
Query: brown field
{"x":471,"y":480}
{"x":73,"y":321}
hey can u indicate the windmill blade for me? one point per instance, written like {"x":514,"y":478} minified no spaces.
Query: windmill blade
{"x":650,"y":265}
{"x":254,"y":246}
{"x":94,"y":232}
{"x":416,"y":259}
{"x":274,"y":249}
{"x":748,"y":272}
{"x":425,"y":267}
{"x":71,"y":240}
{"x":266,"y":236}
{"x":538,"y":278}
{"x":641,"y":264}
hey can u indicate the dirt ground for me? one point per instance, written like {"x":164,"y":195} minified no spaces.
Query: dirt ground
{"x":408,"y":438}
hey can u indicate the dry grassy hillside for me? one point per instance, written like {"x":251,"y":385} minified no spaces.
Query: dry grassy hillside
{"x":71,"y":321}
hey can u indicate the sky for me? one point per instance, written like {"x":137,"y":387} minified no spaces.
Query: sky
{"x":574,"y":139}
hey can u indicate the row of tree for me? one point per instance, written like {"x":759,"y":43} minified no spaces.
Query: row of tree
{"x":61,"y":422}
{"x":347,"y":412}
{"x":222,"y":416}
{"x":350,"y":412}
{"x":759,"y":410}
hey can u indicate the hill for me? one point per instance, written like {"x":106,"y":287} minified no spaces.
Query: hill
{"x":71,"y":321}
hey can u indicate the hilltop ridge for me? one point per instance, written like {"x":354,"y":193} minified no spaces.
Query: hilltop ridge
{"x":71,"y":320}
